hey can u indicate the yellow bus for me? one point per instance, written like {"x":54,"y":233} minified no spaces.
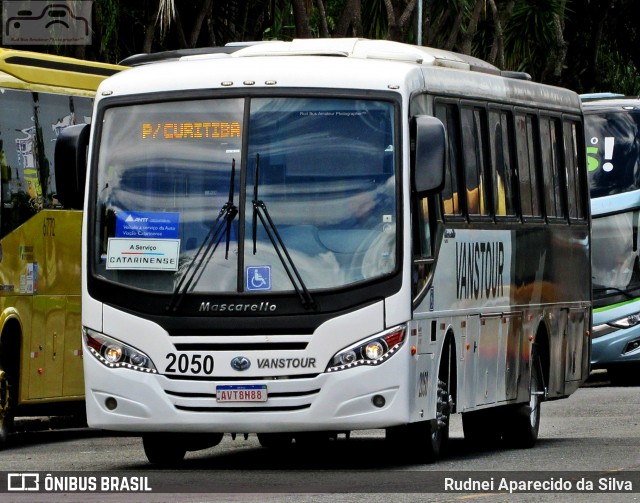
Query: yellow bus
{"x":40,"y":327}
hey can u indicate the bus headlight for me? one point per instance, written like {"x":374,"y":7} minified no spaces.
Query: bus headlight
{"x":371,"y":351}
{"x":115,"y":354}
{"x":627,"y":322}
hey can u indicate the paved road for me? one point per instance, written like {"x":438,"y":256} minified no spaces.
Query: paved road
{"x":594,"y":433}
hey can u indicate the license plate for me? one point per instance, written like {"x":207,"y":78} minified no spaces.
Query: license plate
{"x":241,"y":393}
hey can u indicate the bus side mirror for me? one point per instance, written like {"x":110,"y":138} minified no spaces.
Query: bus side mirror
{"x":429,"y":155}
{"x":71,"y":165}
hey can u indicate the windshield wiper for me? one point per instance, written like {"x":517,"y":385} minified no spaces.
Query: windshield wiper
{"x":211,"y":241}
{"x":615,"y":289}
{"x":260,"y":211}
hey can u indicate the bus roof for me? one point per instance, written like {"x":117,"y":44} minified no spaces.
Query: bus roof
{"x":46,"y":72}
{"x":338,"y":63}
{"x":611,"y":103}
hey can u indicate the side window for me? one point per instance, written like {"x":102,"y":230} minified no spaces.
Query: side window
{"x":447,"y":113}
{"x":551,"y":144}
{"x":53,"y":113}
{"x":473,"y":126}
{"x":529,"y":180}
{"x":575,"y":195}
{"x":20,"y":184}
{"x":502,"y":162}
{"x":422,"y":246}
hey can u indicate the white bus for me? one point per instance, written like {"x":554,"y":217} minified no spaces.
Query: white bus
{"x":302,"y":239}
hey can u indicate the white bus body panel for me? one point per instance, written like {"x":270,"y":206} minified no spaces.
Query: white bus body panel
{"x":343,"y":400}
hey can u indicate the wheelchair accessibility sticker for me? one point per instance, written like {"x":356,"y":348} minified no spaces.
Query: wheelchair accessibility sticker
{"x":259,"y":278}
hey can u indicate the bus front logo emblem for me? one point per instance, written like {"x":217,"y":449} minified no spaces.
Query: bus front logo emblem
{"x":240,"y":363}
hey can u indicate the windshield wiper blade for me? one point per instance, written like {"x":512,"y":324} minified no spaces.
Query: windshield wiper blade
{"x":260,"y":211}
{"x":615,"y":289}
{"x":209,"y":245}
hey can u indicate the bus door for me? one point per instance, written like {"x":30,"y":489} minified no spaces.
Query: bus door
{"x":61,"y":269}
{"x":425,"y":368}
{"x":489,"y":343}
{"x":47,"y":346}
{"x":514,"y":333}
{"x":574,"y":343}
{"x":469,"y":334}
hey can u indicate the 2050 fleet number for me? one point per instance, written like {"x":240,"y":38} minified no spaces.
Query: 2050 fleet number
{"x":189,"y":363}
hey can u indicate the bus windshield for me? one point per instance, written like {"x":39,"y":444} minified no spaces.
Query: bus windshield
{"x":613,"y":147}
{"x":616,"y":262}
{"x":168,"y":173}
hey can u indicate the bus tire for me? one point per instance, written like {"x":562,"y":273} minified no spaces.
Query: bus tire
{"x":163,"y":449}
{"x":522,"y":430}
{"x":437,"y":430}
{"x":275,"y":440}
{"x":424,"y":441}
{"x":6,"y":409}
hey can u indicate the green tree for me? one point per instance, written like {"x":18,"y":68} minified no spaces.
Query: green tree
{"x":587,"y":45}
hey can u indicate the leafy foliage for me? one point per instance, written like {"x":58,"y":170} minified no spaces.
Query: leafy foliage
{"x":590,"y":45}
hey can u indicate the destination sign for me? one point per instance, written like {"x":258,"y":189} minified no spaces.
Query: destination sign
{"x":189,"y":130}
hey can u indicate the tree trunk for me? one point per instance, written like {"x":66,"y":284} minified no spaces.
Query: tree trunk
{"x":182,"y":40}
{"x":301,"y":19}
{"x":472,"y":28}
{"x":197,"y":25}
{"x":324,"y":27}
{"x":592,"y":78}
{"x":496,"y":55}
{"x":350,"y":18}
{"x":407,"y":17}
{"x":558,"y":55}
{"x":450,"y":44}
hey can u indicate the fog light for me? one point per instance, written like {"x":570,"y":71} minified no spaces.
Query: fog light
{"x":631,"y":346}
{"x":378,"y":400}
{"x":111,"y":403}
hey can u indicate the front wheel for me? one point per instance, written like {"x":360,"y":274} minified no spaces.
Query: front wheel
{"x":424,"y":441}
{"x":438,"y":430}
{"x":163,"y":449}
{"x":169,"y":449}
